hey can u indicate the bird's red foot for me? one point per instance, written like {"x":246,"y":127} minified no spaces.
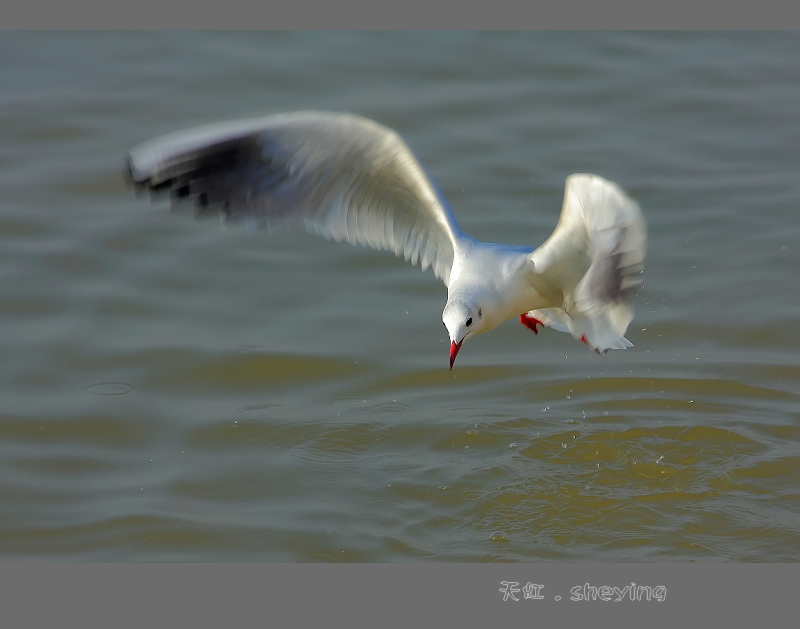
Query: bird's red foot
{"x":530,"y":322}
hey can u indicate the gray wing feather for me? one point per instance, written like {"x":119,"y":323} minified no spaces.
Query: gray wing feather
{"x":597,"y":250}
{"x":591,"y":266}
{"x":339,"y":176}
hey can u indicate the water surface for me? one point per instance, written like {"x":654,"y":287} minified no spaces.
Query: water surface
{"x":172,"y":391}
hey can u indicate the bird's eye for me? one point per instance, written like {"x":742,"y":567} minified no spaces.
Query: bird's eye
{"x":469,"y":322}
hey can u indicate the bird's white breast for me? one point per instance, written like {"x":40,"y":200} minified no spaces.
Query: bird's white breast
{"x":495,"y":277}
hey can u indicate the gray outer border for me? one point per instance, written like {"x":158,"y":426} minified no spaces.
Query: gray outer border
{"x":427,"y":14}
{"x":387,"y":595}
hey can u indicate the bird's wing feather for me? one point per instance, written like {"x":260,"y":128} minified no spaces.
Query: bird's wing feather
{"x":591,"y":265}
{"x":337,"y":175}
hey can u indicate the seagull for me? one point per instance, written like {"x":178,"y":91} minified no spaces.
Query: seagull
{"x":345,"y":177}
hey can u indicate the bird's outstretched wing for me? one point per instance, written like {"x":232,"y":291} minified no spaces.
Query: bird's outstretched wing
{"x":591,"y":265}
{"x":340,"y":176}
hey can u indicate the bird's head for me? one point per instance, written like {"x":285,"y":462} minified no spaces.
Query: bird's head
{"x":463,"y":318}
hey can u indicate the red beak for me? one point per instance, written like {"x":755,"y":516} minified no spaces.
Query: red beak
{"x":454,"y":347}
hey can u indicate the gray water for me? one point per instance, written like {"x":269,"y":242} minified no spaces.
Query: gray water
{"x":173,"y":391}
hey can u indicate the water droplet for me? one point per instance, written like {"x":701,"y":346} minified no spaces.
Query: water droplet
{"x":110,"y":388}
{"x":499,"y":536}
{"x":391,"y":407}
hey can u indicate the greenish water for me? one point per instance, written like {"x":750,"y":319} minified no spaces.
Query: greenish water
{"x":172,"y":391}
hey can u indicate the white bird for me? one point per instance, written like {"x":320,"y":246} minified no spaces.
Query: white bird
{"x":345,"y":177}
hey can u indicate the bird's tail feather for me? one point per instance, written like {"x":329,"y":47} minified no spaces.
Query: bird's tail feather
{"x":601,"y":330}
